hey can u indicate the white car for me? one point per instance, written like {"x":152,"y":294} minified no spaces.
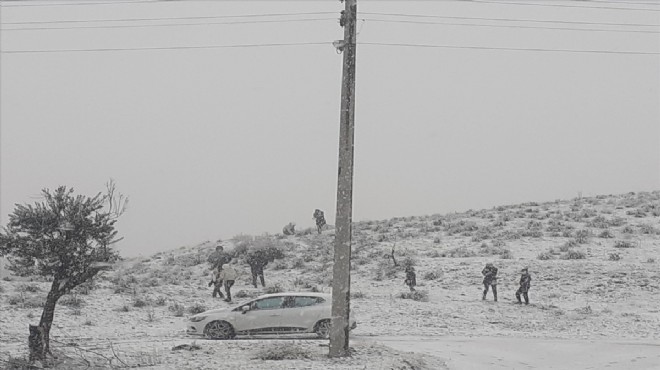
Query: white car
{"x":280,"y":313}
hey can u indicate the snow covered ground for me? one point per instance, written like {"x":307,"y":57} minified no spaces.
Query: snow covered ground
{"x":598,"y":311}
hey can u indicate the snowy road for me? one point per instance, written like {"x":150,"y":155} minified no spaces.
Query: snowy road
{"x":462,"y":353}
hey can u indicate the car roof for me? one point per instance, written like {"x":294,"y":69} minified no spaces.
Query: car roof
{"x":296,"y":294}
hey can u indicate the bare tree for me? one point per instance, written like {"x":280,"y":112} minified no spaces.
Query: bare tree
{"x":65,"y":237}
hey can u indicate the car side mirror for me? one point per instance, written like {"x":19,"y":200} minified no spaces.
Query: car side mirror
{"x":245,"y":310}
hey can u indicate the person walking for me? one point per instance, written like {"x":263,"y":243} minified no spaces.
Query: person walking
{"x":257,"y":261}
{"x":490,"y":280}
{"x":216,"y":281}
{"x":320,"y":219}
{"x":411,"y":278}
{"x":228,"y":275}
{"x":525,"y":283}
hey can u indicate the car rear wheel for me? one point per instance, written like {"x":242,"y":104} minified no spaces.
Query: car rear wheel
{"x":322,"y":329}
{"x":219,"y":330}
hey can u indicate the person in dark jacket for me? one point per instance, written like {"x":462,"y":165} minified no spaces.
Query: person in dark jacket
{"x":525,"y":283}
{"x":257,"y":261}
{"x":411,"y":278}
{"x":490,"y":280}
{"x":320,"y":220}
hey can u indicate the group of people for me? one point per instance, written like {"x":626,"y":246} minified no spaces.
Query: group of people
{"x":224,"y":271}
{"x":490,"y":281}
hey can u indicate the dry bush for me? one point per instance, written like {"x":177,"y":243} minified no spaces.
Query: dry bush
{"x":623,"y":244}
{"x":177,"y":309}
{"x":283,"y":352}
{"x":544,"y":256}
{"x":28,"y":288}
{"x":72,"y":301}
{"x":417,"y":295}
{"x":461,"y":252}
{"x":573,"y":255}
{"x":197,"y":308}
{"x":358,"y":295}
{"x":506,"y":254}
{"x":272,"y":289}
{"x":433,"y":275}
{"x":614,"y":257}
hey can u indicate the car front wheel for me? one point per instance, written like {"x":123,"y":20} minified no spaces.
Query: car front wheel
{"x":219,"y":330}
{"x":322,"y":329}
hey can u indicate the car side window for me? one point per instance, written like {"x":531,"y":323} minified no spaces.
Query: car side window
{"x":306,"y":301}
{"x":268,"y":303}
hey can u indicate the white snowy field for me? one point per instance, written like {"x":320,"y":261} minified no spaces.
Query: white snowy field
{"x":595,"y":283}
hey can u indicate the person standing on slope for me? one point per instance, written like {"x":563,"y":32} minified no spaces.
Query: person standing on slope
{"x":490,"y":280}
{"x":525,"y":283}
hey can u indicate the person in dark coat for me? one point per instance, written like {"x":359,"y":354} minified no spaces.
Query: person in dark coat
{"x":490,"y":280}
{"x":525,"y":283}
{"x":257,"y":261}
{"x":320,"y":220}
{"x":411,"y":278}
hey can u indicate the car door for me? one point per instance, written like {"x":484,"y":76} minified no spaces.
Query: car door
{"x":264,"y":313}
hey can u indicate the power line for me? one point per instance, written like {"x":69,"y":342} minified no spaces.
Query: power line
{"x":563,"y":5}
{"x":169,"y":18}
{"x":170,"y":24}
{"x":5,"y":5}
{"x":165,"y":48}
{"x":632,"y":52}
{"x":509,"y":26}
{"x":510,"y":19}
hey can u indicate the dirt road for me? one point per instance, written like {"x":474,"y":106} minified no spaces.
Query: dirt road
{"x":462,"y":353}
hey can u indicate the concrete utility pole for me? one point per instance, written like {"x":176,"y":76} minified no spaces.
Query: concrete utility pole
{"x":341,"y":275}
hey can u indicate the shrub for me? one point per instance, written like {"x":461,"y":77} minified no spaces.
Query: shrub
{"x":545,"y":256}
{"x":614,"y":257}
{"x":72,"y":301}
{"x":582,"y":236}
{"x":461,"y":252}
{"x":241,"y":294}
{"x":283,"y":352}
{"x":277,"y":288}
{"x":28,"y":288}
{"x":358,"y":295}
{"x":574,"y":255}
{"x":623,"y":244}
{"x":161,"y":301}
{"x":628,"y":230}
{"x":417,"y":295}
{"x":506,"y":254}
{"x":125,"y":308}
{"x":139,"y":302}
{"x":607,"y":234}
{"x":433,"y":275}
{"x":280,"y":265}
{"x":298,"y":264}
{"x":197,"y":308}
{"x":409,"y":262}
{"x":177,"y":309}
{"x":650,"y":260}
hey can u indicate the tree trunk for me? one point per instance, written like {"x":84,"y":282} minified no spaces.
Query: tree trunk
{"x":41,"y":347}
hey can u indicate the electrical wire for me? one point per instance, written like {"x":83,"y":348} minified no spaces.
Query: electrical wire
{"x":509,"y":26}
{"x":628,"y":52}
{"x":632,"y":52}
{"x":169,"y":18}
{"x":169,"y":24}
{"x":563,"y":5}
{"x":164,"y":48}
{"x":118,"y":2}
{"x":510,"y":19}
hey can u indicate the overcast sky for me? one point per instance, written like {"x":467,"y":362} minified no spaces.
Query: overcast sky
{"x":209,"y":143}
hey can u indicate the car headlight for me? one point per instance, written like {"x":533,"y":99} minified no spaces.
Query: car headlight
{"x":197,"y":318}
